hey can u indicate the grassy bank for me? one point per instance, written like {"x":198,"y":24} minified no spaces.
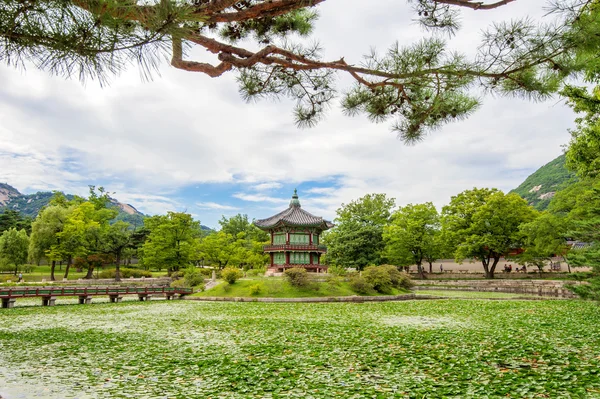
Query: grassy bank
{"x":274,"y":287}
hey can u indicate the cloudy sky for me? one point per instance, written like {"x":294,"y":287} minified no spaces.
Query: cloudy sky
{"x":187,"y":142}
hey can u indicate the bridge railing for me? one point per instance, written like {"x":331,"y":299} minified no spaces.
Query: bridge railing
{"x":85,"y":294}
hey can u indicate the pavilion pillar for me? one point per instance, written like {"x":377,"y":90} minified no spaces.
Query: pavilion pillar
{"x":272,"y":259}
{"x":287,"y":258}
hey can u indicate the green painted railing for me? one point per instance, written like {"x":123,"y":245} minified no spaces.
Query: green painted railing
{"x":29,"y":292}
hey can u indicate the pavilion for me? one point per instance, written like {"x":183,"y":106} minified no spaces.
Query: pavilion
{"x":295,"y":235}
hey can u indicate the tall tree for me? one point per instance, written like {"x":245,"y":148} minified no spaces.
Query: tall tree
{"x":221,"y":249}
{"x":545,"y":237}
{"x":116,"y":239}
{"x":10,"y":218}
{"x":485,"y":224}
{"x":240,"y":224}
{"x":44,"y":234}
{"x":170,"y":241}
{"x":411,"y":234}
{"x":13,"y":247}
{"x":421,"y":86}
{"x":357,"y":239}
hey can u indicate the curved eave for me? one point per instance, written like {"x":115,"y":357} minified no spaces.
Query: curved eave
{"x":324,"y":225}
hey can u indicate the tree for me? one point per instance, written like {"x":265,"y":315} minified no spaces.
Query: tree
{"x":583,"y":154}
{"x":545,"y":237}
{"x":44,"y":234}
{"x":116,"y":239}
{"x":421,"y":85}
{"x":240,"y":224}
{"x":357,"y":239}
{"x":13,"y":247}
{"x":485,"y":224}
{"x":412,"y":234}
{"x":221,"y":249}
{"x":170,"y":241}
{"x":10,"y":218}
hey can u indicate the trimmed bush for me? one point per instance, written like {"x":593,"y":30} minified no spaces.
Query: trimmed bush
{"x":399,"y":279}
{"x":231,"y":274}
{"x":379,"y":278}
{"x":360,"y":285}
{"x":125,"y":273}
{"x":193,"y":277}
{"x":255,"y":289}
{"x":296,"y":276}
{"x":337,"y":271}
{"x":256,"y":272}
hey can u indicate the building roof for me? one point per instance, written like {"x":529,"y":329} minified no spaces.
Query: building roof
{"x":294,"y":215}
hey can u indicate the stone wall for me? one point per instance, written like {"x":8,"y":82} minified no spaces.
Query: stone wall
{"x":548,"y":288}
{"x":354,"y":299}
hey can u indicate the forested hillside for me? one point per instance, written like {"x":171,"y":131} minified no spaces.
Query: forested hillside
{"x":541,"y":186}
{"x":29,"y":205}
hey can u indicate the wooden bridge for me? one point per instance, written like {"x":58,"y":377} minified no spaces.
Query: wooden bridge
{"x":85,"y":294}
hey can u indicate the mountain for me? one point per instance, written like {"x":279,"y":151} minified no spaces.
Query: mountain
{"x":539,"y":188}
{"x":30,"y":204}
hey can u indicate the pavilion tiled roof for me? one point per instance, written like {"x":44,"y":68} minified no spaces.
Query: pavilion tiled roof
{"x":294,"y":216}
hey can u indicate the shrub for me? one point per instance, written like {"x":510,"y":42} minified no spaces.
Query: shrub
{"x":125,"y":273}
{"x":379,"y":278}
{"x":296,"y":276}
{"x":255,"y":289}
{"x":334,"y":281}
{"x":399,"y":279}
{"x":256,"y":272}
{"x":231,"y":274}
{"x":192,"y":277}
{"x":360,"y":285}
{"x":178,"y":283}
{"x":337,"y":270}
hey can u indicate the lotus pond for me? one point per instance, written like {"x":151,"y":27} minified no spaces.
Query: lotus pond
{"x":412,"y":349}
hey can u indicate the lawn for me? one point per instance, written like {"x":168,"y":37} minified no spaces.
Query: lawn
{"x":411,"y":349}
{"x":276,"y":287}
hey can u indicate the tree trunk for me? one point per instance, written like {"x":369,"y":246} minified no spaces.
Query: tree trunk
{"x":69,"y":259}
{"x":60,"y":265}
{"x":52,"y":268}
{"x":421,"y":271}
{"x":118,"y":268}
{"x":90,"y":273}
{"x":16,"y":269}
{"x":430,"y":267}
{"x":489,"y":272}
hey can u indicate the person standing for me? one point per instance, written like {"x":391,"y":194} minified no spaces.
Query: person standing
{"x":441,"y":268}
{"x":20,"y":277}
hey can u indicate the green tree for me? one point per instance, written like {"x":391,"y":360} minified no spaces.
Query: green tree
{"x":545,"y":237}
{"x":221,"y":249}
{"x":357,"y":239}
{"x":240,"y":224}
{"x":411,"y":235}
{"x":117,"y":238}
{"x":485,"y":224}
{"x":10,"y":218}
{"x":44,"y":234}
{"x":171,"y":240}
{"x":420,"y":86}
{"x":13,"y":247}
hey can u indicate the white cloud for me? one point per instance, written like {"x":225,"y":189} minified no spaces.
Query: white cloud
{"x":267,"y":186}
{"x":259,"y":198}
{"x":214,"y":205}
